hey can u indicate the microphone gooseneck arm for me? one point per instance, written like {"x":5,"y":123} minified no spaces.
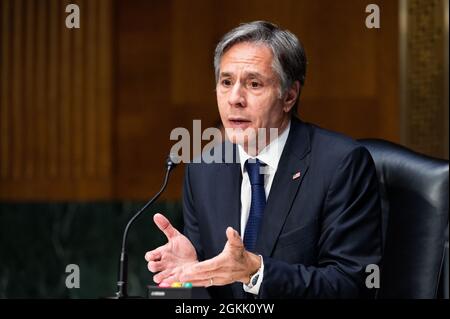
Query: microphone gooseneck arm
{"x":123,"y":262}
{"x":125,"y":233}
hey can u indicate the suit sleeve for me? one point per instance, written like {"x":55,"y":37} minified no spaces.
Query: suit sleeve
{"x":191,"y":227}
{"x":350,"y":239}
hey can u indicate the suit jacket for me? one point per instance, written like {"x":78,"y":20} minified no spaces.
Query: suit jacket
{"x":319,"y":231}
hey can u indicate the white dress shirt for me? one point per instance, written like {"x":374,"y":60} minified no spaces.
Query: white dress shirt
{"x":270,"y":155}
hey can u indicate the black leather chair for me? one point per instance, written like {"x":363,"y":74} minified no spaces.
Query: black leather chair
{"x":414,"y":199}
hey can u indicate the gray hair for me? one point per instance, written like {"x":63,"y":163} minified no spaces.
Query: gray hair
{"x":289,"y":60}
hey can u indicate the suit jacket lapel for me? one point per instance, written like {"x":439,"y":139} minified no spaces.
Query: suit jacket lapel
{"x":228,"y":197}
{"x":228,"y":192}
{"x":228,"y":205}
{"x":284,"y":188}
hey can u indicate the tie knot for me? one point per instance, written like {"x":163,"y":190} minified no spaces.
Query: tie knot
{"x":255,"y":173}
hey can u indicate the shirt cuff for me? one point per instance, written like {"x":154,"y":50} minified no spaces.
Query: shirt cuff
{"x":255,"y":288}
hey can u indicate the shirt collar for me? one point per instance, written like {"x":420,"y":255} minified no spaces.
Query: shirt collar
{"x":270,"y":155}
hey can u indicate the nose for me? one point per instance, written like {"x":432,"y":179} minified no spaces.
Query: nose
{"x":237,"y":96}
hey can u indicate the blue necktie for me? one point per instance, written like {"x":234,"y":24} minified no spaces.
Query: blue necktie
{"x":257,"y":206}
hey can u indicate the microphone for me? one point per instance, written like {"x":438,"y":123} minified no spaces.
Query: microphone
{"x":122,"y":293}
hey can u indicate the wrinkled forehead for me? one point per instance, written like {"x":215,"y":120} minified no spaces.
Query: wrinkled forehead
{"x":250,"y":58}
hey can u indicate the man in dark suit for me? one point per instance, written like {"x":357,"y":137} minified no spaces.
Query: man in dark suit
{"x":298,"y":217}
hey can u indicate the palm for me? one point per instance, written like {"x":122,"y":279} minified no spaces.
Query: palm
{"x":168,"y":260}
{"x":180,"y":249}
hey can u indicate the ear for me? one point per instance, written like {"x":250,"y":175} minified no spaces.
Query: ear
{"x":291,"y":97}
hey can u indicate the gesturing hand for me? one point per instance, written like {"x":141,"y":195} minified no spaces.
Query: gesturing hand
{"x":234,"y":263}
{"x":168,"y":260}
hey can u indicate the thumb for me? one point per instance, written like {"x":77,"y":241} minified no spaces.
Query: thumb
{"x":165,"y":226}
{"x":233,"y":237}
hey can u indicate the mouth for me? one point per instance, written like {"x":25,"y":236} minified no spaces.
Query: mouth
{"x":239,"y":122}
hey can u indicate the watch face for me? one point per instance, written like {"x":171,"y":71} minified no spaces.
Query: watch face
{"x":255,"y":279}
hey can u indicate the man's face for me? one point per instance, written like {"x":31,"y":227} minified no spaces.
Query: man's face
{"x":248,"y":92}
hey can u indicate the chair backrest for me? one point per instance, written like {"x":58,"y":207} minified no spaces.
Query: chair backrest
{"x":414,"y":200}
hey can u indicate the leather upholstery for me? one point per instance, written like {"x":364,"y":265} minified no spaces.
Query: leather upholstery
{"x":414,"y":192}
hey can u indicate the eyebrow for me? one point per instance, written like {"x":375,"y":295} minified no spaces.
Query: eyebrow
{"x":246,"y":74}
{"x":225,"y":74}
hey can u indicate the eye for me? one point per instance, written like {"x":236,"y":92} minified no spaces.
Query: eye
{"x":255,"y":84}
{"x":226,"y":82}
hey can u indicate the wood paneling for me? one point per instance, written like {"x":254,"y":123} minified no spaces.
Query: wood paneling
{"x":87,"y":114}
{"x":165,"y":76}
{"x":55,"y":107}
{"x":352,"y":77}
{"x":143,"y":113}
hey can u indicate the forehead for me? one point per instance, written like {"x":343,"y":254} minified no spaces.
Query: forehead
{"x":251,"y":56}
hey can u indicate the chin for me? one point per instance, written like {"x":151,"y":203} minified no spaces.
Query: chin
{"x":241,"y":137}
{"x":235,"y":138}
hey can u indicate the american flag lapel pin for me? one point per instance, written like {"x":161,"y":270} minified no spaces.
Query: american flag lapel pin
{"x":296,"y":175}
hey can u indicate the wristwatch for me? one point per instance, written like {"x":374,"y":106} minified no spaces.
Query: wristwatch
{"x":254,"y":278}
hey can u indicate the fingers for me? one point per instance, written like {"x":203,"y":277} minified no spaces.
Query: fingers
{"x":163,"y":275}
{"x":218,"y":280}
{"x":152,"y":256}
{"x":225,"y":268}
{"x":159,"y":259}
{"x":201,"y":271}
{"x":233,"y":237}
{"x":171,"y":279}
{"x":155,"y":254}
{"x":165,"y":226}
{"x":197,"y":275}
{"x":156,"y":266}
{"x":175,"y":274}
